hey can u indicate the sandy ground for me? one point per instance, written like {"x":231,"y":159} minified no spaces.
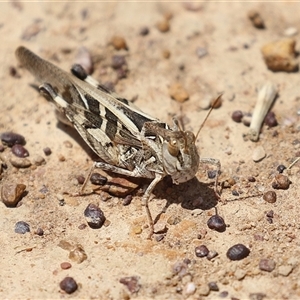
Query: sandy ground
{"x":165,"y":267}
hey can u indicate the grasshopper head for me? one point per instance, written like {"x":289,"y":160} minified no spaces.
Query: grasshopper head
{"x":180,"y":156}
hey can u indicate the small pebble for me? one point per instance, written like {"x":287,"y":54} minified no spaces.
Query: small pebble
{"x":82,"y":226}
{"x":20,"y":162}
{"x":98,"y":179}
{"x":178,"y":92}
{"x":246,"y":120}
{"x":80,"y":179}
{"x":290,"y":31}
{"x":281,"y":182}
{"x":237,"y":252}
{"x":190,"y":288}
{"x":12,"y":193}
{"x":235,"y":193}
{"x":270,"y":196}
{"x":266,"y":264}
{"x":77,"y":254}
{"x":39,"y":232}
{"x":251,"y":179}
{"x":11,"y":138}
{"x":47,"y":151}
{"x":256,"y":19}
{"x":38,"y":160}
{"x":144,"y":31}
{"x":270,"y":214}
{"x":213,"y":286}
{"x":281,"y":168}
{"x":285,"y":270}
{"x":258,"y":154}
{"x":127,"y":200}
{"x":119,"y":43}
{"x":280,"y":55}
{"x":201,"y":52}
{"x":212,"y":254}
{"x":61,"y":158}
{"x":270,"y":119}
{"x":163,"y":25}
{"x":237,"y":116}
{"x":118,"y":61}
{"x":19,"y":150}
{"x":132,"y":283}
{"x":223,"y":294}
{"x":201,"y":251}
{"x":65,"y":265}
{"x":217,"y":223}
{"x":94,"y":216}
{"x":22,"y":227}
{"x":69,"y":285}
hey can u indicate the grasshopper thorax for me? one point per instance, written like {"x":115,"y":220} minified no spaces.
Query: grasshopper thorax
{"x":180,"y":156}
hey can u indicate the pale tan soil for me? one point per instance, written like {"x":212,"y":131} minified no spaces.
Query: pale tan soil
{"x":233,"y":66}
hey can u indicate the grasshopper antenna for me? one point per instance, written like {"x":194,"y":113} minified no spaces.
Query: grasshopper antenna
{"x":212,"y":107}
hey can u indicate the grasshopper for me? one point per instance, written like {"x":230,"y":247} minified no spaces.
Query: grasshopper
{"x":128,"y":141}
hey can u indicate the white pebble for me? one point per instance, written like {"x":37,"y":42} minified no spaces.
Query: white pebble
{"x":290,"y":31}
{"x":259,"y":153}
{"x":190,"y":288}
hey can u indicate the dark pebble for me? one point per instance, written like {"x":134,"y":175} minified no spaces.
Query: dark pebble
{"x":68,"y":285}
{"x":132,"y":283}
{"x":94,"y":216}
{"x":270,"y":220}
{"x":118,"y":61}
{"x":217,"y":223}
{"x":237,"y":116}
{"x":237,"y":252}
{"x":11,"y":138}
{"x":201,"y":251}
{"x":39,"y":232}
{"x":266,"y":264}
{"x":270,"y":119}
{"x":19,"y":150}
{"x":281,"y":168}
{"x":213,"y":286}
{"x":47,"y":151}
{"x":235,"y":193}
{"x":270,"y":196}
{"x":270,"y":214}
{"x":127,"y":200}
{"x":251,"y":179}
{"x":22,"y":227}
{"x":281,"y":182}
{"x":212,"y":174}
{"x":98,"y":179}
{"x":144,"y":31}
{"x":80,"y":179}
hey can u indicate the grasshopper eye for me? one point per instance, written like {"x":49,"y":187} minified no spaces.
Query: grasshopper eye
{"x":173,"y":147}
